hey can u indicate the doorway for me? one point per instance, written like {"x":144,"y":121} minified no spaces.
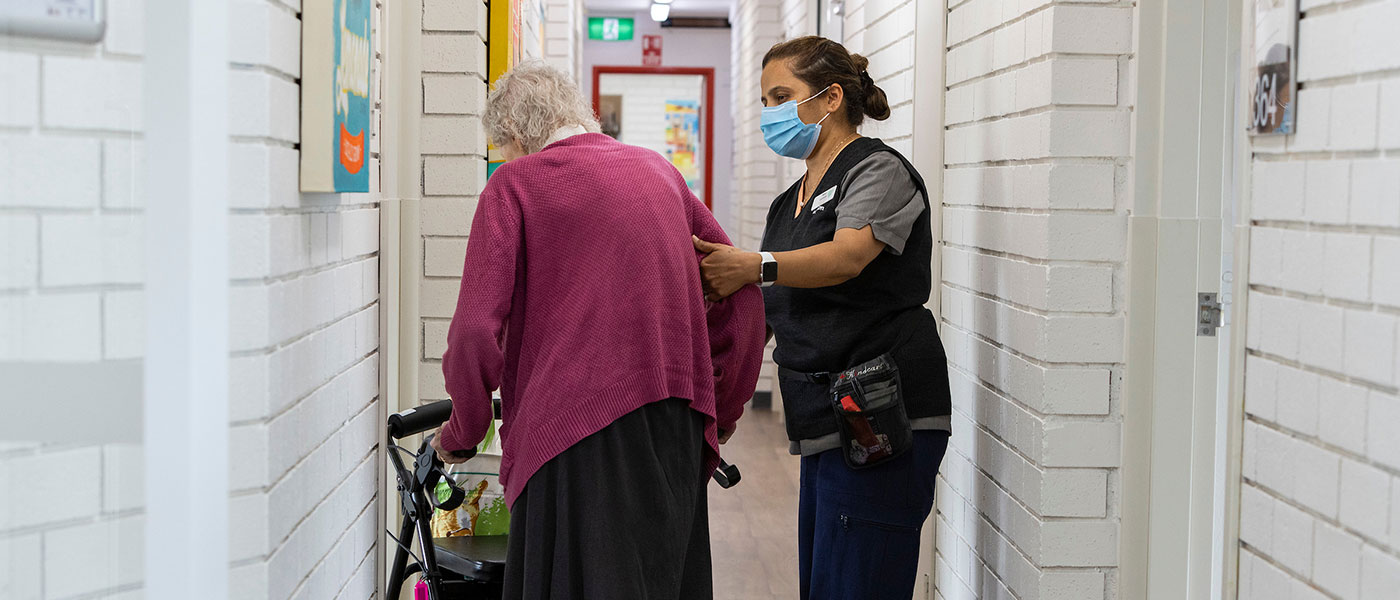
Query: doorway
{"x":666,"y":109}
{"x":1183,"y":339}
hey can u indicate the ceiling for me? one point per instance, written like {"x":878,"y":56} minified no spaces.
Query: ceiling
{"x":682,"y":7}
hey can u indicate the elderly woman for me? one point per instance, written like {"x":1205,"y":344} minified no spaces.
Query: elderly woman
{"x":581,"y":300}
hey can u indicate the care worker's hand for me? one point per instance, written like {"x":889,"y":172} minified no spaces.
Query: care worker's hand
{"x":446,"y":456}
{"x":726,"y":269}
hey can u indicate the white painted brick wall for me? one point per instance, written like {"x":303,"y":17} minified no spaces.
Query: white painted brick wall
{"x":1381,"y":445}
{"x":1375,"y":188}
{"x":759,"y":174}
{"x":19,"y":107}
{"x":91,"y":94}
{"x":454,"y":15}
{"x":50,"y":172}
{"x":1035,"y":234}
{"x":564,"y":33}
{"x":453,"y":53}
{"x":1380,"y":574}
{"x":453,"y":144}
{"x":758,"y":25}
{"x":56,"y":327}
{"x":105,"y":546}
{"x":1321,"y":457}
{"x":20,"y":265}
{"x":91,"y":250}
{"x":303,"y":308}
{"x":263,"y":105}
{"x":453,"y":94}
{"x":265,"y":34}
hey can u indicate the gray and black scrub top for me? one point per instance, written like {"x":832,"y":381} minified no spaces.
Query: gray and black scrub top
{"x":828,"y":330}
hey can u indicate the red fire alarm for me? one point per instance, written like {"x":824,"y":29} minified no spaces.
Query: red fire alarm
{"x":651,"y":50}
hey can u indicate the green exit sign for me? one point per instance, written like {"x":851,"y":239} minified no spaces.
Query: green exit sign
{"x":609,"y":29}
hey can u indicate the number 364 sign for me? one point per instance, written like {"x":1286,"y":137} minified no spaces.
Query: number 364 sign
{"x":1275,"y":32}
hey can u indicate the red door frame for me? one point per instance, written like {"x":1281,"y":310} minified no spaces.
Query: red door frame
{"x":707,"y":112}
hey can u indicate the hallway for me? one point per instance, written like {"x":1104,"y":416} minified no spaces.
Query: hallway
{"x":753,"y":526}
{"x":1164,"y":264}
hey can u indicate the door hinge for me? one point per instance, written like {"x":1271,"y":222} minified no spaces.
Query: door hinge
{"x":1208,"y":315}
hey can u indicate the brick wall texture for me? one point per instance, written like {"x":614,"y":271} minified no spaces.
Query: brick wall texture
{"x":1320,"y":505}
{"x":303,"y":319}
{"x":1034,"y":237}
{"x":453,"y":147}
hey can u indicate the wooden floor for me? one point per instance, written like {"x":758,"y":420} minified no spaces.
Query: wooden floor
{"x":753,"y":526}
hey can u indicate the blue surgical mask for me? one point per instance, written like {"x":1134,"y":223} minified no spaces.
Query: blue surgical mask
{"x":786,"y":133}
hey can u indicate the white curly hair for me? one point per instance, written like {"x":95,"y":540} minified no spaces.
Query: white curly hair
{"x":531,"y":102}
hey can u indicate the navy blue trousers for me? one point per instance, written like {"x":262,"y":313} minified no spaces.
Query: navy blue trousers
{"x":858,"y":530}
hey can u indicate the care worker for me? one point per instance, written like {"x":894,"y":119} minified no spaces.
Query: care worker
{"x":845,"y":270}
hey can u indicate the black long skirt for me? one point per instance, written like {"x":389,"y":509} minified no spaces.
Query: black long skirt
{"x":621,"y":515}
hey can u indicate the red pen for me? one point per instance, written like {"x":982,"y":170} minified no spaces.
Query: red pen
{"x":865,"y":437}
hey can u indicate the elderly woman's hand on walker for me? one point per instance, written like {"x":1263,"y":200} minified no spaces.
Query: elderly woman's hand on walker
{"x":727,"y":269}
{"x":446,"y":456}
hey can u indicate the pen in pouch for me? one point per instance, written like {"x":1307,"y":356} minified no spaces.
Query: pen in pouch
{"x":870,"y":445}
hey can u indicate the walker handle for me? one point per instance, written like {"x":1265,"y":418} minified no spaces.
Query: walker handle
{"x":417,"y":420}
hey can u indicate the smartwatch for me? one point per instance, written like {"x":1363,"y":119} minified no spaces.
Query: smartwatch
{"x":768,"y":274}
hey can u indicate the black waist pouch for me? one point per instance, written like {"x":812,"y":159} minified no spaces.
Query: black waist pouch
{"x":870,"y":413}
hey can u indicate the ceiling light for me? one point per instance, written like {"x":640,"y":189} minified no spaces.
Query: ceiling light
{"x":660,"y":12}
{"x":661,"y":1}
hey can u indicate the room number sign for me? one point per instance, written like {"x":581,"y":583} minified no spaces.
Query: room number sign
{"x":1275,"y":57}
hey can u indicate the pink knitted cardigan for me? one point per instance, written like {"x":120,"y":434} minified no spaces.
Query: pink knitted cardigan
{"x":581,"y":301}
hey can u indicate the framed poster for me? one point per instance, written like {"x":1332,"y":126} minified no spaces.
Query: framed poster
{"x":335,"y":105}
{"x":1272,"y":104}
{"x":683,"y":140}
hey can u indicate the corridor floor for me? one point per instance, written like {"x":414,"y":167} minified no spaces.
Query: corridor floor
{"x":753,"y":526}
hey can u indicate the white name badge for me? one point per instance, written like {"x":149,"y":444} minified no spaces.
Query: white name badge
{"x":823,"y":198}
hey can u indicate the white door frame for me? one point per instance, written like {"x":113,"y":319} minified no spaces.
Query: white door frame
{"x":1174,"y":496}
{"x":186,"y":431}
{"x":930,"y":50}
{"x":1227,"y":545}
{"x":399,"y":243}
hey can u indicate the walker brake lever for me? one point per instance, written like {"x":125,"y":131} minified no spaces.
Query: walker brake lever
{"x":727,"y":475}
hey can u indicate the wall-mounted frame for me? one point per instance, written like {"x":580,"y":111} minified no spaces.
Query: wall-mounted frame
{"x":516,"y":34}
{"x":1272,"y":106}
{"x":335,"y":95}
{"x":83,"y":21}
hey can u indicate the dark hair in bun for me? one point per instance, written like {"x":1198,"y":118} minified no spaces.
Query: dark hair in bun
{"x":820,"y":62}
